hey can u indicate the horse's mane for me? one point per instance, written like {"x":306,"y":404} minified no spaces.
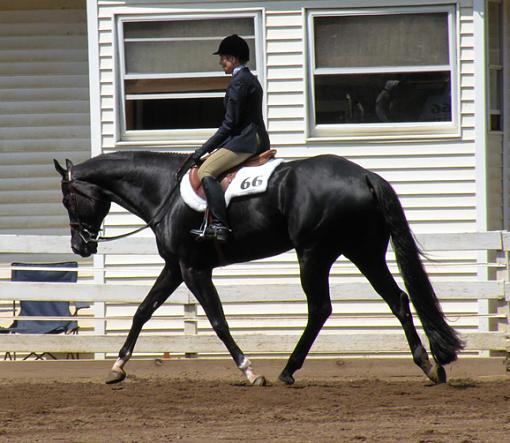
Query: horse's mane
{"x":138,"y":155}
{"x":131,"y":160}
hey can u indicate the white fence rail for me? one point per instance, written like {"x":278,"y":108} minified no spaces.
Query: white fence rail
{"x":190,"y":339}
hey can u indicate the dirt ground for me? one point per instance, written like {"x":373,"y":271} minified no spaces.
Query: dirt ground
{"x":337,"y":400}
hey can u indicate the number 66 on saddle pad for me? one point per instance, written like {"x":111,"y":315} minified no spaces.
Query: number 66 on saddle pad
{"x":247,"y":180}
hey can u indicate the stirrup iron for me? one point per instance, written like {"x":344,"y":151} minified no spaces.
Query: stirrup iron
{"x":200,"y":232}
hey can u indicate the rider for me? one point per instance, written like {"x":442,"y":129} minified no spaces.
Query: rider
{"x":241,"y":135}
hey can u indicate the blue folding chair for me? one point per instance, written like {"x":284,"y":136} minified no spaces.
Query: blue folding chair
{"x":44,"y":308}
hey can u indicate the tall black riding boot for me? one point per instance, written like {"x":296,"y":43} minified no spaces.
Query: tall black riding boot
{"x":218,"y":229}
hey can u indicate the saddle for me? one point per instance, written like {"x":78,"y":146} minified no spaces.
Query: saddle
{"x":226,"y":178}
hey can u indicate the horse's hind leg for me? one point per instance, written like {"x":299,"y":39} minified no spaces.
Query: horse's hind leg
{"x":379,"y":276}
{"x":314,"y":272}
{"x":200,"y":284}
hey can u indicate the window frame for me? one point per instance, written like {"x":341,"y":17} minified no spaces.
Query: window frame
{"x":326,"y":132}
{"x":176,"y":137}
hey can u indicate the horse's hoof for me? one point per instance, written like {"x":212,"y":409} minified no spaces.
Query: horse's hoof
{"x":115,"y":377}
{"x":437,"y":374}
{"x":259,"y":381}
{"x":286,"y":379}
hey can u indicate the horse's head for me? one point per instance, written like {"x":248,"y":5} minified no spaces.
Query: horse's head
{"x":86,"y":206}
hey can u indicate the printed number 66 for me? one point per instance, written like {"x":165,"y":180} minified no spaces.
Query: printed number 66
{"x":249,"y":182}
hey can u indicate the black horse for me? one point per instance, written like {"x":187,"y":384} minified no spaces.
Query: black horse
{"x":322,"y":207}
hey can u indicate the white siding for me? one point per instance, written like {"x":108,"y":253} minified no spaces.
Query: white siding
{"x":466,"y":69}
{"x":44,"y":109}
{"x":435,"y":178}
{"x":286,"y":93}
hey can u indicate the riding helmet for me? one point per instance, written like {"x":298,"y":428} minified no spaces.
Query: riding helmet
{"x":236,"y":46}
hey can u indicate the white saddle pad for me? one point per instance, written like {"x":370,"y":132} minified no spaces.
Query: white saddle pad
{"x":248,"y":180}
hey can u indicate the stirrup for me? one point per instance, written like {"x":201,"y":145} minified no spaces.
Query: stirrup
{"x":200,"y":232}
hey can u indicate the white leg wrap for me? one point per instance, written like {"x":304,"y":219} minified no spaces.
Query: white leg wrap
{"x":246,"y":368}
{"x":119,"y":365}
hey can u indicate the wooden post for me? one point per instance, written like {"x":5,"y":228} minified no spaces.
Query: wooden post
{"x":507,"y":256}
{"x":504,"y":258}
{"x":190,"y":321}
{"x":507,"y":361}
{"x":99,"y":307}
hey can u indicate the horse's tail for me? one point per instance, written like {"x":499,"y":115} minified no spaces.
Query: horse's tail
{"x":444,"y":341}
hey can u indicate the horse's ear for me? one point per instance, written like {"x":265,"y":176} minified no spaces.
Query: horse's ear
{"x":60,"y":169}
{"x":69,"y":164}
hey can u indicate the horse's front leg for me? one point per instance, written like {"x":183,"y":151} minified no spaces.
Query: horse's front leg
{"x":200,"y":284}
{"x":167,"y":282}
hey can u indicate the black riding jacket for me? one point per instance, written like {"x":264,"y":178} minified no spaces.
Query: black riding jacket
{"x":243,"y":117}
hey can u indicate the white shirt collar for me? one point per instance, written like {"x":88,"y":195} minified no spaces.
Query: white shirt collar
{"x":237,"y":69}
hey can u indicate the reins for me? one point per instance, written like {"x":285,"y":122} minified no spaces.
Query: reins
{"x":102,"y":239}
{"x":96,"y":238}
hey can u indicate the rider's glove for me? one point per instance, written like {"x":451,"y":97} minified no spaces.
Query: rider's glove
{"x":197,"y":155}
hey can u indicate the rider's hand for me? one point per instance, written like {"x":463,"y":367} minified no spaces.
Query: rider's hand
{"x":197,"y":155}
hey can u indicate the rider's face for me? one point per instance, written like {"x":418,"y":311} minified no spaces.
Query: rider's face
{"x":228,"y":63}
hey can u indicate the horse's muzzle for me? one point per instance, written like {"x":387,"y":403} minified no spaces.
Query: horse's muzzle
{"x":82,"y":248}
{"x":85,"y":252}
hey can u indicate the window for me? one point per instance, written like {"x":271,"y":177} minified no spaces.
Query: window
{"x":495,"y":65}
{"x":171,"y":84}
{"x":382,"y":72}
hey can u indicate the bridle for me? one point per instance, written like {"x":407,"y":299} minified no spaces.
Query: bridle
{"x":86,"y":232}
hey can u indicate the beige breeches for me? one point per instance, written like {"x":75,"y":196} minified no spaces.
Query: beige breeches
{"x":220,"y":161}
